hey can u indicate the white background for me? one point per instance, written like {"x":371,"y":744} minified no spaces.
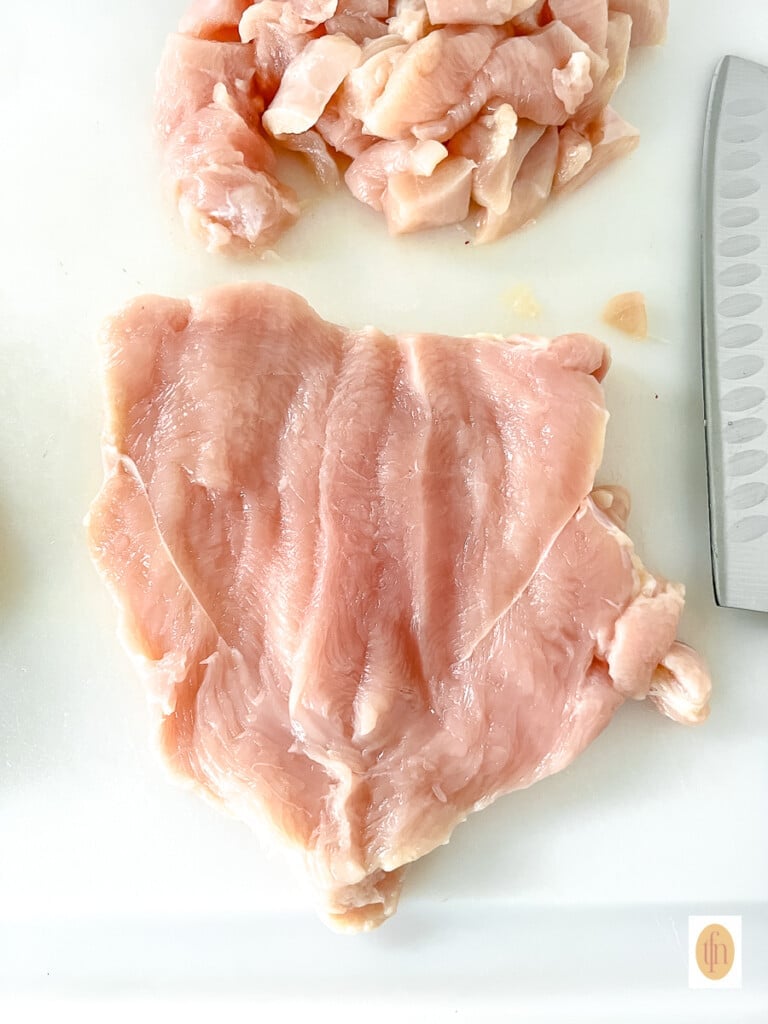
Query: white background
{"x":575,"y":893}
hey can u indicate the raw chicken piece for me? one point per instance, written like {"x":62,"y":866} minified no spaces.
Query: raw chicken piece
{"x":588,"y":19}
{"x":190,"y":70}
{"x":414,"y":201}
{"x":361,"y":20}
{"x":369,"y":174}
{"x":334,"y":79}
{"x":308,"y":83}
{"x":617,"y":50}
{"x":223,"y":176}
{"x":532,"y":19}
{"x":478,"y":12}
{"x":314,"y":11}
{"x":341,"y":130}
{"x":366,"y":579}
{"x":340,"y":124}
{"x":494,"y":179}
{"x":220,"y":167}
{"x":365,"y":84}
{"x":278,"y":36}
{"x":610,"y":138}
{"x":313,"y":146}
{"x":373,"y":8}
{"x":428,"y":79}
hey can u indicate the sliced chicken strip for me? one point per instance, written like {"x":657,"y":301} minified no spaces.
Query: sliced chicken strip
{"x":521,"y":70}
{"x":308,"y":83}
{"x":313,"y":146}
{"x":219,"y":166}
{"x":530,"y":191}
{"x":617,"y":50}
{"x":432,"y":75}
{"x":413,"y":202}
{"x":490,"y":142}
{"x":369,"y":174}
{"x":574,"y":153}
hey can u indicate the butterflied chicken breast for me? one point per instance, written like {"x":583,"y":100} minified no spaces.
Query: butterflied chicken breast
{"x":333,"y":79}
{"x":367,"y":580}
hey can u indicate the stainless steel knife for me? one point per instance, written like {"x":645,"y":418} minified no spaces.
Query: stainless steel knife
{"x":735,"y":330}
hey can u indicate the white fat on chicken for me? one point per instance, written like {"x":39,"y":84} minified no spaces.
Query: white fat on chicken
{"x":410,"y":20}
{"x":573,"y":82}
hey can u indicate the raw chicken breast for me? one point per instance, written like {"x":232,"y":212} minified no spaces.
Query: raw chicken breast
{"x":530,"y":190}
{"x":366,"y":579}
{"x":618,"y":42}
{"x":335,"y":79}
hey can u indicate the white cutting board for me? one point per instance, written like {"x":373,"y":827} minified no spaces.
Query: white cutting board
{"x":575,"y":893}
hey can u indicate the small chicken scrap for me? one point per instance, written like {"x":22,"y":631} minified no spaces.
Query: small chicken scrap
{"x":627,"y":313}
{"x":436,"y":111}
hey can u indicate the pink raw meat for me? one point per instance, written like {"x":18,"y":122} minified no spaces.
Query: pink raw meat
{"x":220,"y":166}
{"x":367,"y":579}
{"x":335,"y":79}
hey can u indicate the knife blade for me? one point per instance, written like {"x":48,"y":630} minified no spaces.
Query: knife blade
{"x":735,"y":330}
